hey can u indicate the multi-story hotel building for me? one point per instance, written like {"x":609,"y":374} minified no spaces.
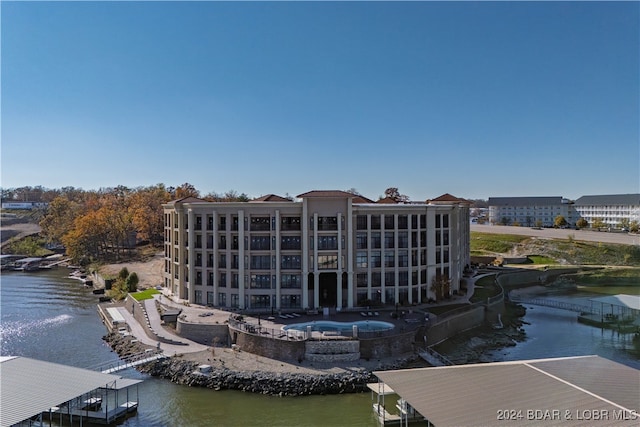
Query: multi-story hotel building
{"x":612,"y":209}
{"x":324,"y":249}
{"x":530,"y":211}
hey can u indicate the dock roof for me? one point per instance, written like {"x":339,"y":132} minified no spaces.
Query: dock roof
{"x":30,"y":387}
{"x":474,"y":395}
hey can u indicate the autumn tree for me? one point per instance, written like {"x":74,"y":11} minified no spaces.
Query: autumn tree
{"x":59,"y":218}
{"x":186,"y":190}
{"x":559,"y":221}
{"x":147,"y":213}
{"x":582,"y":223}
{"x":394,"y":193}
{"x":598,"y":223}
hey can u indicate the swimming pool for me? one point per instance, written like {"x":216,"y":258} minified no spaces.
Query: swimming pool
{"x":327,"y":325}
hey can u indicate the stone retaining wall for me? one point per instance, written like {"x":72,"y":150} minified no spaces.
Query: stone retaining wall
{"x":268,"y":347}
{"x":328,"y":351}
{"x":206,"y":334}
{"x":452,"y":325}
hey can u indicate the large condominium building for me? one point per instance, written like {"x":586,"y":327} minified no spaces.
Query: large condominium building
{"x":324,"y":249}
{"x":613,"y":210}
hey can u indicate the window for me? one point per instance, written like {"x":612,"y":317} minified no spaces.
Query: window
{"x":260,"y":262}
{"x":445,"y":221}
{"x":209,"y":298}
{"x":260,"y":223}
{"x":389,"y":278}
{"x":376,"y":260}
{"x":222,"y":299}
{"x":361,"y":222}
{"x":222,"y":223}
{"x":222,"y":261}
{"x":361,"y":259}
{"x":234,"y":280}
{"x":260,"y":301}
{"x":403,"y":239}
{"x":290,"y":223}
{"x":403,"y":222}
{"x":290,"y":281}
{"x":327,"y":242}
{"x":222,"y":242}
{"x":235,"y":301}
{"x":260,"y":243}
{"x":376,"y":278}
{"x":445,"y":237}
{"x":403,"y":259}
{"x":362,"y":280}
{"x":414,"y":222}
{"x":389,"y":222}
{"x":361,"y":240}
{"x":376,"y":242}
{"x":198,"y":297}
{"x":327,"y":223}
{"x":290,"y":243}
{"x":290,"y":262}
{"x":438,"y":239}
{"x":198,"y":277}
{"x":375,"y":222}
{"x":438,"y":257}
{"x":403,"y":278}
{"x":209,"y":225}
{"x":222,"y":283}
{"x":327,"y":262}
{"x":423,"y":221}
{"x":290,"y":301}
{"x":388,"y":240}
{"x":438,"y":222}
{"x":389,"y":259}
{"x":260,"y":281}
{"x":198,"y":222}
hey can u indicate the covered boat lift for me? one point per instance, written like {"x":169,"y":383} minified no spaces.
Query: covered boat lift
{"x":34,"y":392}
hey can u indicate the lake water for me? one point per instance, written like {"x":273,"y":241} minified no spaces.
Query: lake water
{"x":50,"y":317}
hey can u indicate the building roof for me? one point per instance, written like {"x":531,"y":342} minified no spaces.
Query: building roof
{"x":525,"y":201}
{"x":610,"y":199}
{"x":327,"y":193}
{"x":30,"y":386}
{"x":271,"y":198}
{"x":448,"y":198}
{"x":388,"y":200}
{"x":620,"y":300}
{"x":474,"y":395}
{"x":186,"y":200}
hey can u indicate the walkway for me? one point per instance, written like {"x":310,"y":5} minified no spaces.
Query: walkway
{"x":138,"y":331}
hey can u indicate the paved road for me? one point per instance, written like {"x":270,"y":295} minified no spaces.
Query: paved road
{"x":553,"y":233}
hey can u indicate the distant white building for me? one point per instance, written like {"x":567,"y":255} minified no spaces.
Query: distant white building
{"x":530,"y":211}
{"x":612,"y":209}
{"x":24,"y":205}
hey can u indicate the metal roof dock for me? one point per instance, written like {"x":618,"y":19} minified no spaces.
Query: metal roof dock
{"x":33,"y":391}
{"x":568,"y":391}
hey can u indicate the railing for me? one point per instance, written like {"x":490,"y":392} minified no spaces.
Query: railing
{"x":129,"y":361}
{"x":579,"y":308}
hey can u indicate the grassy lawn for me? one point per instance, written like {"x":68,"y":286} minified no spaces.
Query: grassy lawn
{"x":541,"y":259}
{"x":146,"y":294}
{"x":483,"y":243}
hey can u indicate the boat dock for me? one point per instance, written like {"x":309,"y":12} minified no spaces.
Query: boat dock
{"x":46,"y":393}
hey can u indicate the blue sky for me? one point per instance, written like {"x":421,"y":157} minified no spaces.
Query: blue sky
{"x":469,"y":98}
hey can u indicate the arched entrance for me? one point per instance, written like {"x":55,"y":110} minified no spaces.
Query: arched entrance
{"x":328,"y":288}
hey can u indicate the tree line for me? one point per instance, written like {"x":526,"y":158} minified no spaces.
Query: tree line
{"x":105,"y":224}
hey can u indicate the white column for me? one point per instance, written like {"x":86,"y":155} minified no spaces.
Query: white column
{"x":340,"y":266}
{"x":305,"y":255}
{"x":216,"y":285}
{"x":241,"y":254}
{"x":277,"y":255}
{"x":316,"y":278}
{"x":192,"y":255}
{"x":350,"y":253}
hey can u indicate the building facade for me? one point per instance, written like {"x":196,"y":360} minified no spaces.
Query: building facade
{"x":613,"y":210}
{"x":325,"y":249}
{"x":530,"y":211}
